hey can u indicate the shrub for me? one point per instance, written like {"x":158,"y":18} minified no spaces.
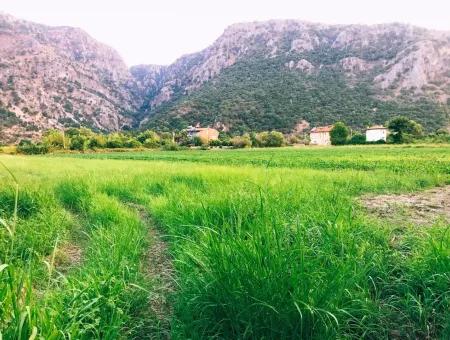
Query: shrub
{"x":269,"y":139}
{"x":240,"y":142}
{"x":149,"y":138}
{"x":27,"y":147}
{"x":339,"y":134}
{"x":115,"y":140}
{"x":79,"y":143}
{"x":97,"y":141}
{"x":357,"y":139}
{"x":170,"y":146}
{"x":131,"y":143}
{"x":216,"y":143}
{"x":197,"y":141}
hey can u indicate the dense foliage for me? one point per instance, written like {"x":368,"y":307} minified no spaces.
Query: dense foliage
{"x":258,"y":94}
{"x":404,"y":129}
{"x":339,"y":134}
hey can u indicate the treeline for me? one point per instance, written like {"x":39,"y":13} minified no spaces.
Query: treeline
{"x":401,"y":130}
{"x":84,"y":139}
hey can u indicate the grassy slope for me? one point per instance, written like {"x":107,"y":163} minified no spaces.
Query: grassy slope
{"x":259,"y":252}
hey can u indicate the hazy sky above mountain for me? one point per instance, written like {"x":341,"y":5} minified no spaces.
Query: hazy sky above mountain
{"x":158,"y":32}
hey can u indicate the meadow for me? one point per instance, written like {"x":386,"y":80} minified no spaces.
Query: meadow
{"x":233,"y":244}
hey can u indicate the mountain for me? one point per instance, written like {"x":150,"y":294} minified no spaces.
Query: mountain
{"x":60,"y":76}
{"x":282,"y":74}
{"x":289,"y":74}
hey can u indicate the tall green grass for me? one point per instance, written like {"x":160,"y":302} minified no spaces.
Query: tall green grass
{"x":94,"y":299}
{"x":259,"y":252}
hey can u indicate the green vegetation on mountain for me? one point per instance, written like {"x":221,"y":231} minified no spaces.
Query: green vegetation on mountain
{"x":261,"y":94}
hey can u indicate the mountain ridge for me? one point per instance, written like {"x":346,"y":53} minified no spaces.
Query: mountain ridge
{"x":275,"y":74}
{"x":362,"y":55}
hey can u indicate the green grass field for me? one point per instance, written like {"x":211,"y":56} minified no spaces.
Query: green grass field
{"x":234,"y":244}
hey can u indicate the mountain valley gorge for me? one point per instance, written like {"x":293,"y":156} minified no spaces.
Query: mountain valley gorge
{"x":283,"y":74}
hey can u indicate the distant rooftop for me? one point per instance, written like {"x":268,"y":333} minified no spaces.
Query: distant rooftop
{"x":376,"y":127}
{"x":322,"y":129}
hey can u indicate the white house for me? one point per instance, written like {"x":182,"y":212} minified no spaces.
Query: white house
{"x":376,"y":133}
{"x":320,"y":135}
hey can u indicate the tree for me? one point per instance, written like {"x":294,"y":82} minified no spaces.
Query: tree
{"x":339,"y":134}
{"x":149,"y":138}
{"x":54,"y":139}
{"x":115,"y":140}
{"x":97,"y":141}
{"x":275,"y":139}
{"x":403,"y":129}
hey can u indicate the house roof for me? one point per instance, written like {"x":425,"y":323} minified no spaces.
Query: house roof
{"x":377,"y":127}
{"x":199,"y":129}
{"x":319,"y":129}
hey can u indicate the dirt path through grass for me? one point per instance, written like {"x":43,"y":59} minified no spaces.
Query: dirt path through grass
{"x":159,"y":269}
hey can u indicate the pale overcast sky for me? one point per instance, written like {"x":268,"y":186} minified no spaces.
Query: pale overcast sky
{"x":158,"y":32}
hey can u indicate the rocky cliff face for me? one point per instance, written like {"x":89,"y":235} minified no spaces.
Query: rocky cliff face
{"x":399,"y":63}
{"x":261,"y":75}
{"x":60,"y":76}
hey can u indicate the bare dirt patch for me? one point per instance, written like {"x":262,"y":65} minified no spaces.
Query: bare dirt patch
{"x":421,"y":208}
{"x":160,"y":272}
{"x":67,"y":256}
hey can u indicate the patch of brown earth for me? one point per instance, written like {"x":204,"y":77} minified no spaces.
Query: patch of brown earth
{"x":160,"y":272}
{"x":421,"y":208}
{"x":67,"y":255}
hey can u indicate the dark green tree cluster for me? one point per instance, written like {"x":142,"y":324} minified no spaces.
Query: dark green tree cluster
{"x":404,"y":130}
{"x":339,"y":134}
{"x":259,"y":94}
{"x":401,"y":130}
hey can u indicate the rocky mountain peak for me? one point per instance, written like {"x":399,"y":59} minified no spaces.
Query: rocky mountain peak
{"x":275,"y":72}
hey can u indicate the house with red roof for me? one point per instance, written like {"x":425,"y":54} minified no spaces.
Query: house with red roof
{"x":320,"y":135}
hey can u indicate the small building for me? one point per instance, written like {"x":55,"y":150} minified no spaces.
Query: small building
{"x":205,"y":134}
{"x":376,"y":133}
{"x":320,"y":135}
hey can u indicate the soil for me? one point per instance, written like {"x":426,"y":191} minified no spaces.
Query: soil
{"x":67,"y":256}
{"x":421,"y":208}
{"x":160,"y":272}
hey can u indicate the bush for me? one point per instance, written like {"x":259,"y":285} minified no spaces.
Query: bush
{"x":79,"y":143}
{"x":27,"y":147}
{"x":149,"y":138}
{"x":114,"y":141}
{"x":132,"y":143}
{"x":197,"y":141}
{"x":216,"y":143}
{"x":269,"y":139}
{"x":357,"y":139}
{"x":97,"y":141}
{"x":339,"y":134}
{"x":240,"y":142}
{"x":170,"y":146}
